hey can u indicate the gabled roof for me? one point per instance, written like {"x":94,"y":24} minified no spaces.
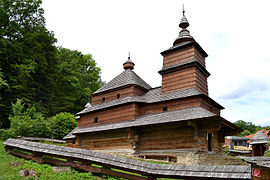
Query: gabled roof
{"x":259,"y":138}
{"x":127,"y":77}
{"x":264,"y":131}
{"x":70,"y":135}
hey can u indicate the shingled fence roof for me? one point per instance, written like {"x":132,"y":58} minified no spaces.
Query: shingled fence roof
{"x":258,"y":160}
{"x":157,"y":170}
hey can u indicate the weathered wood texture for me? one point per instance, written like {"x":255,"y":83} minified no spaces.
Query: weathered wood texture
{"x":107,"y":140}
{"x":184,"y":79}
{"x":176,"y":138}
{"x":110,"y":115}
{"x":183,"y":55}
{"x":83,"y":159}
{"x":112,"y":95}
{"x":179,"y":104}
{"x":167,"y":137}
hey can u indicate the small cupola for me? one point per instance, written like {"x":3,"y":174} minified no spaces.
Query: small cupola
{"x":88,"y":104}
{"x":128,"y":64}
{"x":184,"y":35}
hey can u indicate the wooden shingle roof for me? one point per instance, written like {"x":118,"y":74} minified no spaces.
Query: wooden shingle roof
{"x":259,"y":138}
{"x":152,"y":96}
{"x":127,"y":77}
{"x":150,"y":119}
{"x":258,"y":160}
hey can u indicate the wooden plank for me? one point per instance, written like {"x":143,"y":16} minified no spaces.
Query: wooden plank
{"x":93,"y":169}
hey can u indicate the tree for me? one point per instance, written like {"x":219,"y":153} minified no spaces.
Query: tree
{"x":76,"y":78}
{"x":61,"y":124}
{"x":33,"y":69}
{"x":26,"y":52}
{"x":248,"y":126}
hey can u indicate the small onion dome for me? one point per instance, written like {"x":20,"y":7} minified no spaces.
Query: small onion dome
{"x":184,"y":35}
{"x":87,"y":105}
{"x":128,"y":64}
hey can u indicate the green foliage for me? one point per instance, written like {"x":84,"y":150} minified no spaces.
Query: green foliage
{"x":267,"y":153}
{"x":33,"y":69}
{"x":26,"y":123}
{"x":61,"y":124}
{"x":248,"y":126}
{"x":76,"y":78}
{"x":26,"y":51}
{"x":245,"y":133}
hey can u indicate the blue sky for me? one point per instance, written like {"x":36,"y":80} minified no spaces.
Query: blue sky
{"x":235,"y":34}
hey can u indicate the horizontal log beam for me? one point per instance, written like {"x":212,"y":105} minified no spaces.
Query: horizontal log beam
{"x":93,"y":169}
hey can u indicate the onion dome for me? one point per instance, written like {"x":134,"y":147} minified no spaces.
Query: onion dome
{"x":128,"y":64}
{"x":184,"y":35}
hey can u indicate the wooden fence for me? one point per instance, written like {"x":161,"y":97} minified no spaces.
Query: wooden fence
{"x":108,"y":164}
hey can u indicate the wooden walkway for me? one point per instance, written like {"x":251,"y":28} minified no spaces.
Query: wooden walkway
{"x":108,"y":164}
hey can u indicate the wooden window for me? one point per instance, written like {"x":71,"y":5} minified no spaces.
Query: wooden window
{"x":209,"y":141}
{"x":118,"y":96}
{"x":96,"y":120}
{"x":165,"y":109}
{"x":103,"y":99}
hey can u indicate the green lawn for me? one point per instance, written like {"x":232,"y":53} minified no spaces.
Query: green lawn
{"x":11,"y":165}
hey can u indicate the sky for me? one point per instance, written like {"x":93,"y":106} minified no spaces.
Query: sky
{"x":235,"y":34}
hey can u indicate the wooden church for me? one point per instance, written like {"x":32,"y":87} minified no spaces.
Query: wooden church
{"x":127,"y":115}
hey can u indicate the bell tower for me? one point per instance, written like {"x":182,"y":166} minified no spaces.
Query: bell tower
{"x":184,"y":63}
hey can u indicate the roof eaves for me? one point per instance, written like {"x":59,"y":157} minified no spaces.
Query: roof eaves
{"x":150,"y":119}
{"x":183,"y":45}
{"x":184,"y":65}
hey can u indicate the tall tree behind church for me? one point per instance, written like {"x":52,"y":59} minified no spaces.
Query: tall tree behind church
{"x":29,"y":60}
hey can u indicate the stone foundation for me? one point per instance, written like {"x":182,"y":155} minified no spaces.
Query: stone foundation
{"x":210,"y":158}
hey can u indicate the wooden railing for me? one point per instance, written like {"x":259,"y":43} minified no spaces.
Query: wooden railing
{"x":108,"y":164}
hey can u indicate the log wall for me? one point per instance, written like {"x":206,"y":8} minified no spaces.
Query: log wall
{"x":110,"y":115}
{"x":178,"y":104}
{"x":179,"y":138}
{"x":107,"y":140}
{"x":183,"y":55}
{"x":184,"y":79}
{"x":113,"y":95}
{"x":165,"y":139}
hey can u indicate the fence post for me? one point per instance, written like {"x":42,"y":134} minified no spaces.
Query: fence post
{"x":37,"y":157}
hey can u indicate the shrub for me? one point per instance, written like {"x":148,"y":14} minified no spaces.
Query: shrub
{"x":61,"y":124}
{"x":26,"y":123}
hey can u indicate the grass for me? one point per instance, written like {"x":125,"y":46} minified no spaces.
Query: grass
{"x":11,"y":165}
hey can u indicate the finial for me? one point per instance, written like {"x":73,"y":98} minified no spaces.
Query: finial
{"x":128,"y":64}
{"x":184,"y":33}
{"x":183,"y":10}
